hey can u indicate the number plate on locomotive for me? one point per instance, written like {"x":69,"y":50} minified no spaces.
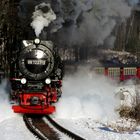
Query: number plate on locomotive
{"x":36,"y":62}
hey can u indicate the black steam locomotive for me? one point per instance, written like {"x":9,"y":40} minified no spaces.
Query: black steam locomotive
{"x":36,"y":77}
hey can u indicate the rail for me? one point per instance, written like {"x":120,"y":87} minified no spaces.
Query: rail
{"x":43,"y":131}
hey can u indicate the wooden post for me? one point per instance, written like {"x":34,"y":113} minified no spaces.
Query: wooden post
{"x":138,"y":72}
{"x":122,"y":76}
{"x":106,"y":71}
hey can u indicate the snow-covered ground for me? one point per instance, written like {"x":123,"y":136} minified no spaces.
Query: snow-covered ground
{"x":92,"y":130}
{"x":87,"y":108}
{"x":12,"y":126}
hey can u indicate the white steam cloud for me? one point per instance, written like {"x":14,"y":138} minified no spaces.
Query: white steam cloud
{"x":133,"y":2}
{"x":5,"y":108}
{"x":42,"y":17}
{"x":78,"y":21}
{"x":87,"y":95}
{"x":93,"y":20}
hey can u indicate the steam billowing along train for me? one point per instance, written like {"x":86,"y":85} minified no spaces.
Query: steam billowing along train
{"x":36,"y":78}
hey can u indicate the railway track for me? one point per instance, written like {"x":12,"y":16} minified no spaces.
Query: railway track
{"x":44,"y":131}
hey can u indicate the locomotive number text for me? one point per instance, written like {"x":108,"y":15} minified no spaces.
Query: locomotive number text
{"x":36,"y":62}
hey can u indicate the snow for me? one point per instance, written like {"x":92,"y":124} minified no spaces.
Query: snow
{"x":12,"y":126}
{"x":90,"y":129}
{"x":14,"y":129}
{"x":128,"y":93}
{"x":88,"y":108}
{"x":89,"y":95}
{"x":88,"y":113}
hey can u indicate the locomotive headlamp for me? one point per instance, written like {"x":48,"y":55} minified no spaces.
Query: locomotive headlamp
{"x":23,"y":81}
{"x":37,"y":41}
{"x":48,"y":81}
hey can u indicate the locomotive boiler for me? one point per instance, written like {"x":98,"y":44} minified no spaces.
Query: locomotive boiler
{"x":36,"y":77}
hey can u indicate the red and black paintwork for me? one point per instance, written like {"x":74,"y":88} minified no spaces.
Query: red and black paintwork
{"x":37,"y":102}
{"x":43,"y":106}
{"x":119,"y":73}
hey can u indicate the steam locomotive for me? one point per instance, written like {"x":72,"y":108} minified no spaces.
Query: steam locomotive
{"x":36,"y":78}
